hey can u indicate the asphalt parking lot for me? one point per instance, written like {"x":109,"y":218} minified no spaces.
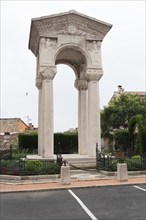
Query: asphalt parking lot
{"x":98,"y":203}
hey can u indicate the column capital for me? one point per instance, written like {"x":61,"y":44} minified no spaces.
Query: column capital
{"x":94,"y":74}
{"x":38,"y":82}
{"x":47,"y":72}
{"x":81,"y":84}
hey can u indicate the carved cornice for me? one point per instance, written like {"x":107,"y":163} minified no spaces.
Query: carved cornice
{"x":81,"y":84}
{"x":71,"y":23}
{"x":94,"y":74}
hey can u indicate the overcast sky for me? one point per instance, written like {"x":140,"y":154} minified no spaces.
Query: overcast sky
{"x":123,"y":57}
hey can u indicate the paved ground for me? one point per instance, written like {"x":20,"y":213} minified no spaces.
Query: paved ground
{"x":91,"y":195}
{"x":79,"y":179}
{"x":126,"y":202}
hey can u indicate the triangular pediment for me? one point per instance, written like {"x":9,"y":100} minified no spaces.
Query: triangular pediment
{"x":68,"y":23}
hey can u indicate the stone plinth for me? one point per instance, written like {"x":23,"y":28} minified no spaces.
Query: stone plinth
{"x":122,"y":172}
{"x":65,"y":175}
{"x":79,"y":161}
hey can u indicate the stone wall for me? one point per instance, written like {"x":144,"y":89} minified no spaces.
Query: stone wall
{"x":7,"y":140}
{"x":23,"y":127}
{"x":12,"y":125}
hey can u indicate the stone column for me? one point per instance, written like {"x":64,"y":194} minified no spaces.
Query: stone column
{"x":46,"y":112}
{"x":82,"y":85}
{"x":93,"y":76}
{"x":40,"y":125}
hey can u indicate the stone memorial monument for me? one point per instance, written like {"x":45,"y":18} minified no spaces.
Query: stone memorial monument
{"x":73,"y":39}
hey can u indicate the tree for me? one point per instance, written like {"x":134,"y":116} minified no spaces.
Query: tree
{"x":137,"y":125}
{"x":117,"y":113}
{"x":122,"y":139}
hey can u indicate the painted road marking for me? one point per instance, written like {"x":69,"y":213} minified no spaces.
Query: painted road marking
{"x":82,"y":205}
{"x":140,"y":188}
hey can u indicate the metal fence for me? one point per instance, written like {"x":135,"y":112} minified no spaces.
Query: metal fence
{"x":109,"y":163}
{"x":24,"y":167}
{"x":10,"y":163}
{"x":29,"y":167}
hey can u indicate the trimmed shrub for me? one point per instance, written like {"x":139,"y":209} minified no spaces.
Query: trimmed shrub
{"x":133,"y":164}
{"x":29,"y":167}
{"x":64,"y":143}
{"x":33,"y":166}
{"x":28,"y":141}
{"x":136,"y":157}
{"x":36,"y":167}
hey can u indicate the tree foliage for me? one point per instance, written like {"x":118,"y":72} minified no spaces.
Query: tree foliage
{"x":117,"y":113}
{"x":137,"y":125}
{"x":122,"y":139}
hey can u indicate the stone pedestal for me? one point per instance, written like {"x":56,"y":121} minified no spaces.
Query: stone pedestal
{"x":122,"y":172}
{"x":65,"y":175}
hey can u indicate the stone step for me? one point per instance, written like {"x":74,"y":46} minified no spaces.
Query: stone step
{"x":82,"y":163}
{"x":74,"y":160}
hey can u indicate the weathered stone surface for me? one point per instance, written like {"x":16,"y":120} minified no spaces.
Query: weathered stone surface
{"x":65,"y":175}
{"x":122,"y":172}
{"x":74,"y":39}
{"x":69,"y":23}
{"x":12,"y":125}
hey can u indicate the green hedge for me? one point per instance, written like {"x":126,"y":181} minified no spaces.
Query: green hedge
{"x":28,"y":141}
{"x":35,"y":167}
{"x":64,"y":143}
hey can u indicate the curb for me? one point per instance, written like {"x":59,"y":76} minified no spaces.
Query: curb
{"x":36,"y":187}
{"x":69,"y":187}
{"x":130,"y":173}
{"x":34,"y":177}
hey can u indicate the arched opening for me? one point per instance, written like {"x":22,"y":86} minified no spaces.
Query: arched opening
{"x":65,"y":111}
{"x":66,"y":107}
{"x":65,"y":99}
{"x":74,"y":57}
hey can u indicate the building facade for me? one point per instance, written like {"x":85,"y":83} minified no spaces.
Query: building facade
{"x":9,"y":131}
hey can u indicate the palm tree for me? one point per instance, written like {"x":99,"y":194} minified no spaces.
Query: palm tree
{"x":137,"y":124}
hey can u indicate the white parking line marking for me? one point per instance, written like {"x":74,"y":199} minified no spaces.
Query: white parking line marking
{"x":82,"y":205}
{"x":140,"y":188}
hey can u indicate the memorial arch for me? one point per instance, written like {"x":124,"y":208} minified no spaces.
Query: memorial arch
{"x":73,"y":39}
